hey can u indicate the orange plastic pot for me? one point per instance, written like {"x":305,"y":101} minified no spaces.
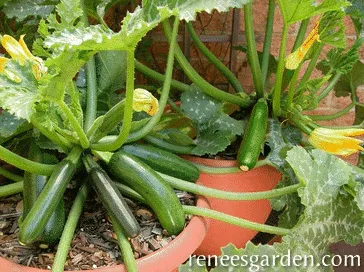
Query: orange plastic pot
{"x":166,"y":259}
{"x":258,"y":179}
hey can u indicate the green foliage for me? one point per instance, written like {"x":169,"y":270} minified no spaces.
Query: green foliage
{"x":216,"y":129}
{"x":22,"y":9}
{"x":297,"y":10}
{"x":332,"y":29}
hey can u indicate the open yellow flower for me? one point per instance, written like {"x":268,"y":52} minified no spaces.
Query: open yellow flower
{"x":19,"y":51}
{"x":337,"y":141}
{"x":295,"y":58}
{"x":145,"y":101}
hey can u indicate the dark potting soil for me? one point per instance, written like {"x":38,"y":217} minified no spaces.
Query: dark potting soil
{"x":94,"y":243}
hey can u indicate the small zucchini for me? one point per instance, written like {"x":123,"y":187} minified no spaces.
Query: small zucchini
{"x":35,"y":222}
{"x":157,"y":193}
{"x":164,"y":161}
{"x":111,"y":198}
{"x":254,"y":136}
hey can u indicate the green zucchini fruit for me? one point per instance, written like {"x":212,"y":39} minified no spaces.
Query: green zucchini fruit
{"x":164,"y":161}
{"x":157,"y":193}
{"x":111,"y":198}
{"x":254,"y":136}
{"x":35,"y":222}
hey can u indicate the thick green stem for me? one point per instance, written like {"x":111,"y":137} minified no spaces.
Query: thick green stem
{"x":292,"y":86}
{"x":25,"y":164}
{"x":69,"y":229}
{"x":91,"y":94}
{"x":165,"y":91}
{"x":311,"y":66}
{"x":213,"y":170}
{"x":211,"y":192}
{"x":301,"y":34}
{"x":279,"y":77}
{"x":9,"y":175}
{"x":75,"y":124}
{"x":234,"y":220}
{"x":128,"y":110}
{"x":268,"y":40}
{"x":91,"y":91}
{"x":252,"y":50}
{"x":11,"y":189}
{"x":329,"y":87}
{"x":160,"y":77}
{"x":179,"y":149}
{"x":334,"y":115}
{"x":241,"y":99}
{"x":219,"y":65}
{"x":56,"y":138}
{"x":125,"y":248}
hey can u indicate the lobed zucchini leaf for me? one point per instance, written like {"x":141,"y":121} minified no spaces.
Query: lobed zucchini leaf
{"x":297,"y":10}
{"x":332,"y":29}
{"x":216,"y":129}
{"x":134,"y":26}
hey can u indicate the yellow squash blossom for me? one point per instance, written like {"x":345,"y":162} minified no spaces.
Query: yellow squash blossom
{"x":19,"y":51}
{"x":294,"y":59}
{"x":145,"y":101}
{"x":337,"y":141}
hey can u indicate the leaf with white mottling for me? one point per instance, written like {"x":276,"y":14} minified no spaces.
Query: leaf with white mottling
{"x":21,"y":9}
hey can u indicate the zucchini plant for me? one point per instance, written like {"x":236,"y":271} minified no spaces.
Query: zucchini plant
{"x":63,"y":97}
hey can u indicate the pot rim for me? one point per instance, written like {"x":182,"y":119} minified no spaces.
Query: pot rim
{"x":188,"y":240}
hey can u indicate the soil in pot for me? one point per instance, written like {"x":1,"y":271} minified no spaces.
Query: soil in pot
{"x":94,"y":244}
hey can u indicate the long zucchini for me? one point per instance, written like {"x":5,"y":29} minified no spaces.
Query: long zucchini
{"x":111,"y":198}
{"x":164,"y":161}
{"x":36,"y":220}
{"x":157,"y":193}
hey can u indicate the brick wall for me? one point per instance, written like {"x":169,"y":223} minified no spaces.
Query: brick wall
{"x":220,"y":26}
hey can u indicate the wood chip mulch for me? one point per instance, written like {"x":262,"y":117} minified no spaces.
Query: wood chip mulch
{"x":94,"y":243}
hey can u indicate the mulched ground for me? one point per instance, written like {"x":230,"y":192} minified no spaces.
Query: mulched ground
{"x":94,"y":243}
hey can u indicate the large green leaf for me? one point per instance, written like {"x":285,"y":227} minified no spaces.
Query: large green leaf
{"x":18,"y":97}
{"x":332,"y":29}
{"x":21,"y":9}
{"x":215,"y":128}
{"x":297,"y":10}
{"x":135,"y":25}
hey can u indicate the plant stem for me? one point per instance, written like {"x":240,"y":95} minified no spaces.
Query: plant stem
{"x":157,"y":76}
{"x":165,"y":91}
{"x":11,"y":189}
{"x":9,"y":175}
{"x":91,"y":94}
{"x":301,"y":34}
{"x":25,"y":164}
{"x":125,"y":248}
{"x":211,"y":192}
{"x":252,"y":50}
{"x":214,"y":60}
{"x":311,"y":66}
{"x":329,"y":87}
{"x":174,"y":106}
{"x":234,"y":220}
{"x":334,"y":115}
{"x":75,"y":125}
{"x":279,"y":77}
{"x":242,"y":99}
{"x":128,"y":110}
{"x":59,"y":140}
{"x":213,"y":170}
{"x":169,"y":146}
{"x":292,"y":86}
{"x":69,"y":229}
{"x":268,"y":40}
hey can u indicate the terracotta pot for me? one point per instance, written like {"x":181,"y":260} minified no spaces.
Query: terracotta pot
{"x":166,"y":259}
{"x":259,"y":179}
